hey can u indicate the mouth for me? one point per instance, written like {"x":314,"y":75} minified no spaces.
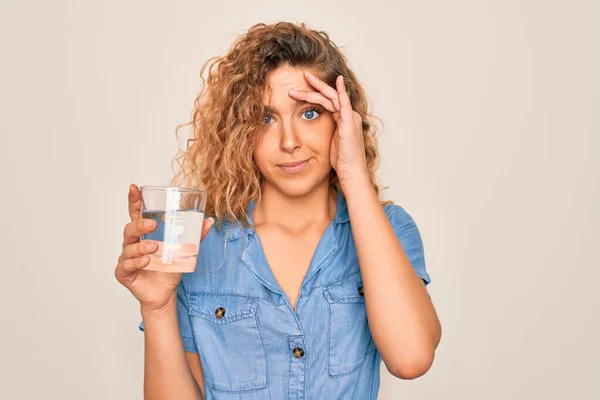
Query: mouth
{"x":294,"y":166}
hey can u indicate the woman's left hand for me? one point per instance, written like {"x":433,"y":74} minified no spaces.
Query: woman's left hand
{"x":347,"y":152}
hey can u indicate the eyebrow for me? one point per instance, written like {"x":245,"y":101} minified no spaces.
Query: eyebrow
{"x":273,"y":110}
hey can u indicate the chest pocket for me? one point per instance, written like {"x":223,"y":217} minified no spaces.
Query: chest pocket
{"x":228,"y":336}
{"x":349,"y":334}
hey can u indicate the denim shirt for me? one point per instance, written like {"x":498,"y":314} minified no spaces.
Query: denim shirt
{"x":252,"y":344}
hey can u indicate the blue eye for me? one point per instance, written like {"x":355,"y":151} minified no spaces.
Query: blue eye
{"x":267,"y":119}
{"x":310,"y":114}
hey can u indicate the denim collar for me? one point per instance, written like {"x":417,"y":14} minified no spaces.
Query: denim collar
{"x":235,"y":231}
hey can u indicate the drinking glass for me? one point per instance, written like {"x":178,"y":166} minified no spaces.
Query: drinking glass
{"x":179,"y":214}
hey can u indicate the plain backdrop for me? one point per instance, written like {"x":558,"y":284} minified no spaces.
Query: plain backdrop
{"x":491,"y":142}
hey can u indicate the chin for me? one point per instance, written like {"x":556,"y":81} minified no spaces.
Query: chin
{"x":299,"y":187}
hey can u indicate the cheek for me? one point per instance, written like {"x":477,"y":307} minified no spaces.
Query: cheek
{"x":259,"y":149}
{"x":259,"y":159}
{"x":325,"y":136}
{"x":261,"y":155}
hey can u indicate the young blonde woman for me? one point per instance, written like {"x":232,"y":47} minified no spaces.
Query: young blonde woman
{"x":307,"y":280}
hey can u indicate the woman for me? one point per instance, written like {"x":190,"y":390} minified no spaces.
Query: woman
{"x":308,"y":281}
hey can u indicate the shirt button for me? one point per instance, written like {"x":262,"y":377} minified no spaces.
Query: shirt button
{"x":220,"y":312}
{"x":298,"y":352}
{"x":360,"y":290}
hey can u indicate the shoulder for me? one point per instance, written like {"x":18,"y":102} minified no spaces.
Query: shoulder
{"x":410,"y":237}
{"x":226,"y":231}
{"x":219,"y":240}
{"x":405,"y":227}
{"x":398,"y":216}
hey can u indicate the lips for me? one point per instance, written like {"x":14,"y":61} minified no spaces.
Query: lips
{"x":293,"y":166}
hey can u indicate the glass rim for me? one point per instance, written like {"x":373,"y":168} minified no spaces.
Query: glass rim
{"x":172,"y":188}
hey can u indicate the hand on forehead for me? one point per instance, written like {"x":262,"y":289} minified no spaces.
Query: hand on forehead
{"x":279,"y":83}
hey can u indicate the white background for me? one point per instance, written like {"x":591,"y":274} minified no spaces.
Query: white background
{"x":491,"y":142}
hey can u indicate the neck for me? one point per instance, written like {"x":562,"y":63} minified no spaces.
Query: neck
{"x":296,"y":212}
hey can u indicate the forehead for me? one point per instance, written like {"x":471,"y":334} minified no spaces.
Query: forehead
{"x":283,"y":79}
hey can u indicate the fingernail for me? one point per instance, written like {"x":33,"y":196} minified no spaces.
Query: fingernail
{"x":150,"y":224}
{"x":150,"y":246}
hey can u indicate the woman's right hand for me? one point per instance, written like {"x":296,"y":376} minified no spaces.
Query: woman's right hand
{"x":154,"y":290}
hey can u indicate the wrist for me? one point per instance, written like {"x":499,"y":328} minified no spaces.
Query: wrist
{"x":355,"y":181}
{"x":153,"y":312}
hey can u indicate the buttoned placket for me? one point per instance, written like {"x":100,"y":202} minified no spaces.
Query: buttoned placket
{"x":297,"y":361}
{"x":253,"y":257}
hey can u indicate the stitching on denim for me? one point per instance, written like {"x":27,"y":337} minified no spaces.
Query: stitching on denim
{"x":329,"y":320}
{"x":333,"y":298}
{"x":290,"y":361}
{"x":232,"y":291}
{"x":265,"y":358}
{"x":355,"y":269}
{"x":352,"y":271}
{"x":228,"y":291}
{"x":249,"y":309}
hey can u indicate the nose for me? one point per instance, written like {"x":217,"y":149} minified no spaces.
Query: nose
{"x":290,"y":141}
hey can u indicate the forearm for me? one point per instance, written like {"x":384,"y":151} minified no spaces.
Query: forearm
{"x":401,"y":317}
{"x":166,"y":372}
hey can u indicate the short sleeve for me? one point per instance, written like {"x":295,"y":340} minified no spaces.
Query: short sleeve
{"x":185,"y":323}
{"x":410,"y":238}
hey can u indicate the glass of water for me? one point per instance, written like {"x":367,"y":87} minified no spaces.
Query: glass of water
{"x":179,"y":215}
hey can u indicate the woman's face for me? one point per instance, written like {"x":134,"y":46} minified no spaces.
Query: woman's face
{"x":292,"y":152}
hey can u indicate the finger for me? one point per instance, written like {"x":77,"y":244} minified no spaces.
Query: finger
{"x":313,"y":97}
{"x":206,"y":225}
{"x":345,"y":105}
{"x":135,"y":229}
{"x":135,"y":202}
{"x":139,"y":249}
{"x":324,"y":88}
{"x":131,"y":266}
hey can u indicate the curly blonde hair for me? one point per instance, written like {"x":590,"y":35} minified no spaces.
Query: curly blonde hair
{"x":229,"y":111}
